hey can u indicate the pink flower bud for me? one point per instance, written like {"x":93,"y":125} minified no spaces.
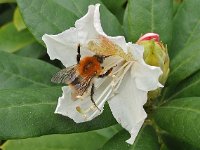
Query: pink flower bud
{"x":149,"y":36}
{"x":155,"y":54}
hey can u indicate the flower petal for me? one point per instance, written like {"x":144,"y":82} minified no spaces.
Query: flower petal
{"x":83,"y":110}
{"x":62,"y":46}
{"x":136,"y":50}
{"x":127,"y":106}
{"x":89,"y":28}
{"x":86,"y":25}
{"x":146,"y":76}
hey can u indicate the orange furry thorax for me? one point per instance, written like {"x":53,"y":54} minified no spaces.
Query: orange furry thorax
{"x":89,"y":66}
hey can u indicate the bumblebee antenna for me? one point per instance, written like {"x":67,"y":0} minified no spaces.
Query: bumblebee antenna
{"x":78,"y":57}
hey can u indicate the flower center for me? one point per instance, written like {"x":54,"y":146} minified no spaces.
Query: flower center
{"x":109,"y":91}
{"x":103,"y":46}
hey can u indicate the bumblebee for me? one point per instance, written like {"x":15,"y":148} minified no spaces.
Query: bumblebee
{"x":80,"y":76}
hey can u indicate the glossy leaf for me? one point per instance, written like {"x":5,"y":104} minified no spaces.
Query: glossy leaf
{"x":30,"y":112}
{"x":180,"y":118}
{"x":84,"y":141}
{"x":143,"y":16}
{"x":186,"y":26}
{"x":56,"y":16}
{"x":174,"y":144}
{"x":116,"y":7}
{"x":11,"y":40}
{"x":176,"y":6}
{"x":145,"y":140}
{"x":18,"y":21}
{"x":18,"y":72}
{"x":34,"y":50}
{"x":188,"y":88}
{"x":185,"y":64}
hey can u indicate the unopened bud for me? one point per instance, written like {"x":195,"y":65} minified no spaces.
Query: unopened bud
{"x":155,"y":54}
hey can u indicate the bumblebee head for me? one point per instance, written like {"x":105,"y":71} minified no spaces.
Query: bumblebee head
{"x":100,"y":58}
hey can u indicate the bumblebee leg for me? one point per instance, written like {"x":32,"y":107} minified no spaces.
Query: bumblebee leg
{"x":91,"y":96}
{"x":78,"y":57}
{"x":106,"y":73}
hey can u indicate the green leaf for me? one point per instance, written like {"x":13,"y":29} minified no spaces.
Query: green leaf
{"x":7,"y":1}
{"x":18,"y":72}
{"x":180,"y":118}
{"x":55,"y":16}
{"x":145,"y":140}
{"x":110,"y":131}
{"x":188,"y":88}
{"x":18,"y":21}
{"x":30,"y":112}
{"x":34,"y":50}
{"x":116,"y":7}
{"x":186,"y":26}
{"x":185,"y":64}
{"x":174,"y":144}
{"x":11,"y":40}
{"x":176,"y":6}
{"x":143,"y":16}
{"x":85,"y":141}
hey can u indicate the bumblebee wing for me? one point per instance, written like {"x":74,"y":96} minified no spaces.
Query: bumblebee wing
{"x":66,"y":75}
{"x":80,"y":85}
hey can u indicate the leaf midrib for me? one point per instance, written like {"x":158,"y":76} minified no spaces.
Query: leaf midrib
{"x":184,"y":62}
{"x":193,"y":29}
{"x":73,"y":2}
{"x":27,"y":105}
{"x":184,"y":88}
{"x":191,"y":33}
{"x":181,"y":108}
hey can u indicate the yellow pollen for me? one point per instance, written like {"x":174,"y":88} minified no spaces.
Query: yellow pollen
{"x":83,"y":112}
{"x":79,"y":110}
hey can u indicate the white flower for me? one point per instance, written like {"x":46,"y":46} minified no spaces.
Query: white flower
{"x":127,"y":86}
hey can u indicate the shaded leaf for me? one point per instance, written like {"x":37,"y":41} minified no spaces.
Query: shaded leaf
{"x":174,"y":144}
{"x":145,"y":140}
{"x":188,"y":88}
{"x":145,"y":16}
{"x":84,"y":141}
{"x":55,"y":16}
{"x":30,"y":112}
{"x":34,"y":50}
{"x":176,"y":6}
{"x":116,"y":7}
{"x":186,"y":26}
{"x":6,"y":16}
{"x":18,"y":21}
{"x":11,"y":40}
{"x":185,"y":64}
{"x":180,"y":118}
{"x":7,"y":1}
{"x":17,"y":72}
